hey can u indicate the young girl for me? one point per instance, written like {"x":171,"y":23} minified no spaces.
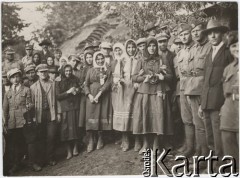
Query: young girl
{"x":67,"y":93}
{"x":98,"y":102}
{"x":121,"y":89}
{"x":50,"y":61}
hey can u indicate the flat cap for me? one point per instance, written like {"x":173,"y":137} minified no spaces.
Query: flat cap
{"x":150,"y":26}
{"x":162,"y":36}
{"x":42,"y":67}
{"x":53,"y":69}
{"x":106,"y":45}
{"x":12,"y":72}
{"x":177,"y":40}
{"x":73,"y":56}
{"x":184,"y":27}
{"x":9,"y":50}
{"x":29,"y":67}
{"x":28,"y":46}
{"x":141,"y":40}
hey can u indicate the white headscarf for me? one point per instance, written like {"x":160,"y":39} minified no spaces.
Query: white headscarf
{"x":119,"y":59}
{"x":131,"y":62}
{"x":95,"y":65}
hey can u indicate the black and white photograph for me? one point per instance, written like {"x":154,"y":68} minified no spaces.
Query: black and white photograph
{"x":120,"y":88}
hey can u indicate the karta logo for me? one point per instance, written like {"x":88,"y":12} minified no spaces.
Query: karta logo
{"x":153,"y":162}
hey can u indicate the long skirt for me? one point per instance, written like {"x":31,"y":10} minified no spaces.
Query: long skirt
{"x":69,"y":127}
{"x":152,"y":114}
{"x":99,"y":115}
{"x":122,"y":99}
{"x":82,"y":111}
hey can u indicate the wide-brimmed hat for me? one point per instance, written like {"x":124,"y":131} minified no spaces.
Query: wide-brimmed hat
{"x":12,"y":72}
{"x":88,"y":46}
{"x":215,"y":25}
{"x":45,"y":42}
{"x":150,"y":26}
{"x":9,"y":50}
{"x":75,"y":56}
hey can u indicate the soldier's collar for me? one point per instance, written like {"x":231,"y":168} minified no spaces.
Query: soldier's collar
{"x":190,"y":45}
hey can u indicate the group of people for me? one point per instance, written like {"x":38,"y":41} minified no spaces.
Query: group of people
{"x":130,"y":88}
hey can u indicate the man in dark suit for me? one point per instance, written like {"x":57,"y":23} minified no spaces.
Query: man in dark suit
{"x":212,"y":93}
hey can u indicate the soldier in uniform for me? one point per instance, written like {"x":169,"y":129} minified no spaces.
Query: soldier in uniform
{"x":44,"y":99}
{"x":194,"y":84}
{"x":183,"y":58}
{"x":212,"y":97}
{"x":10,"y":63}
{"x":229,"y":116}
{"x":151,"y":29}
{"x":45,"y":53}
{"x":31,"y":75}
{"x":17,"y":101}
{"x":178,"y":44}
{"x":29,"y":52}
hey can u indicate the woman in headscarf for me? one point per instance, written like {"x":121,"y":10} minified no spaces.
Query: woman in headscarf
{"x":67,"y":93}
{"x":98,"y":104}
{"x":36,"y":59}
{"x":82,"y":72}
{"x":132,"y":59}
{"x":150,"y":108}
{"x":121,"y":90}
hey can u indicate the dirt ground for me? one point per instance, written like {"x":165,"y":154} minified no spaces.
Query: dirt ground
{"x":110,"y":160}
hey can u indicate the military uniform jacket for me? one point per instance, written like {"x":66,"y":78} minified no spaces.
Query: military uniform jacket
{"x":14,"y":106}
{"x":212,"y":92}
{"x":183,"y":58}
{"x":26,"y":60}
{"x":196,"y":64}
{"x":230,"y":109}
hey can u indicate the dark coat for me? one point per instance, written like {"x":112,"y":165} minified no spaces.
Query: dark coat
{"x":212,"y":92}
{"x":67,"y":101}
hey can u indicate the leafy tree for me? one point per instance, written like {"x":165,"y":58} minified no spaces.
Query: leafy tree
{"x":136,"y":15}
{"x":11,"y":23}
{"x":66,"y":18}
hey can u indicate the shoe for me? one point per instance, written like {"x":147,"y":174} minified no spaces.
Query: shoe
{"x":36,"y":168}
{"x":142,"y":150}
{"x":190,"y":137}
{"x":100,"y":141}
{"x":69,"y":157}
{"x":52,"y":163}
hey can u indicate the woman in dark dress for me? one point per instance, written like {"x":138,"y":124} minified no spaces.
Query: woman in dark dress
{"x":67,"y":93}
{"x":150,"y":117}
{"x":98,"y":104}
